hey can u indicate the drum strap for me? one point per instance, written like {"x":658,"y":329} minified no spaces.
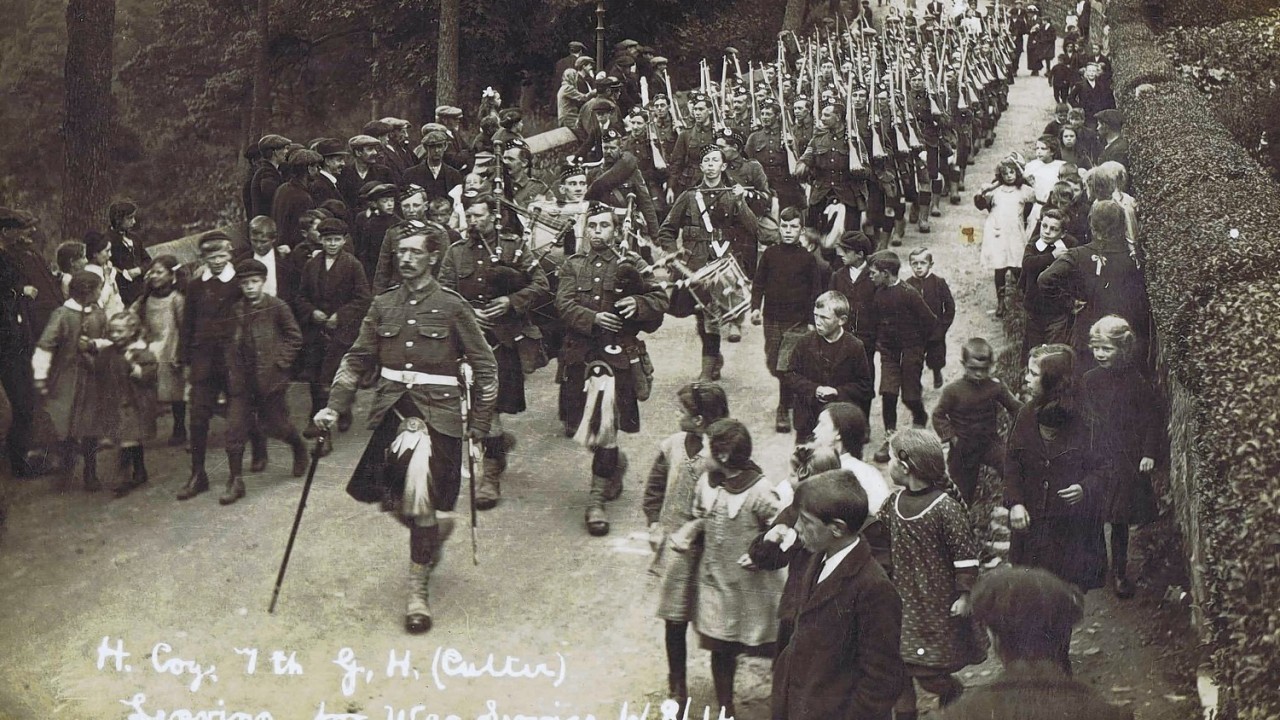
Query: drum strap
{"x":702,"y":211}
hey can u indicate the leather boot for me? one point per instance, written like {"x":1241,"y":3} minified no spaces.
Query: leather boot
{"x":198,"y":483}
{"x":235,"y":481}
{"x":131,"y":459}
{"x":417,"y":615}
{"x":899,"y":231}
{"x":782,"y":420}
{"x":913,"y":214}
{"x":596,"y":518}
{"x":882,"y":239}
{"x":489,"y":490}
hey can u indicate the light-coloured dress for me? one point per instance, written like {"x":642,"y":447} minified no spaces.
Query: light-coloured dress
{"x":675,"y":570}
{"x":161,"y":318}
{"x":1004,"y":237}
{"x":734,"y":604}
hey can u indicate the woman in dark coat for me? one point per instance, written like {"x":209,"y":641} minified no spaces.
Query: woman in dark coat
{"x":1054,"y":484}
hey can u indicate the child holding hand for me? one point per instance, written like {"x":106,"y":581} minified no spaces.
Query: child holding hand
{"x":128,"y":371}
{"x":935,"y":560}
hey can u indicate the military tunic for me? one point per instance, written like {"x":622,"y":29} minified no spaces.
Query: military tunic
{"x":588,"y":285}
{"x":420,"y":331}
{"x":765,"y":146}
{"x":686,"y":156}
{"x":470,"y":268}
{"x":827,"y":159}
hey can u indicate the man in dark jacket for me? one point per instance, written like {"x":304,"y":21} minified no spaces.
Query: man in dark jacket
{"x":262,"y":189}
{"x":324,"y":185}
{"x":1092,"y":93}
{"x":1115,"y":146}
{"x":843,"y":660}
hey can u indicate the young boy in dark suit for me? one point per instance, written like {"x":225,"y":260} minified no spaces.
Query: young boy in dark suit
{"x":937,"y":295}
{"x":843,"y":658}
{"x":260,"y":357}
{"x":904,"y":325}
{"x":828,"y":365}
{"x":786,"y":283}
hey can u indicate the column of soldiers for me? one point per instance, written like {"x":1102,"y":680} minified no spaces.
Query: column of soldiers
{"x":444,"y":299}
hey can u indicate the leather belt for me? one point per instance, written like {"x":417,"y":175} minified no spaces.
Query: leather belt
{"x":411,"y":378}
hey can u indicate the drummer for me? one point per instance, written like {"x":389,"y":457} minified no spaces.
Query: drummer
{"x":713,"y":217}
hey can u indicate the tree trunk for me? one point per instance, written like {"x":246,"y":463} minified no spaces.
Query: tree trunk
{"x":793,"y":18}
{"x":260,"y":112}
{"x":87,"y":125}
{"x":447,"y":54}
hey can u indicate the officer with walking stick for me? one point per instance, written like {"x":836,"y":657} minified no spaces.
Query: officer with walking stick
{"x":412,"y":347}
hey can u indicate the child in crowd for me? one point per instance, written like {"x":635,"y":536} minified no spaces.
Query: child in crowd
{"x":668,"y":505}
{"x":331,"y":301}
{"x":827,"y":365}
{"x":207,"y":329}
{"x":128,"y":373}
{"x":811,"y":239}
{"x":1048,"y":319}
{"x":935,"y":560}
{"x":65,"y":373}
{"x":1061,"y":77}
{"x":853,"y":280}
{"x":904,"y":324}
{"x":1005,"y":234}
{"x":779,"y":546}
{"x":1125,"y":413}
{"x":937,"y":295}
{"x":843,"y":429}
{"x":98,"y":251}
{"x":160,"y":308}
{"x":843,"y":659}
{"x":736,"y":605}
{"x":965,"y":418}
{"x":71,"y":260}
{"x":260,"y":355}
{"x":1060,"y":115}
{"x":787,"y":282}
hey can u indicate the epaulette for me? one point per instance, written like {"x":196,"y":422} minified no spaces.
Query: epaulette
{"x":456,"y":243}
{"x":390,"y":288}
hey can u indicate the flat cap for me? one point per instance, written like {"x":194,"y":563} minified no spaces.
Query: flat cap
{"x":272,"y":142}
{"x":625,"y":61}
{"x":332,"y":226}
{"x":376,"y":128}
{"x":1111,"y":118}
{"x":250,"y":268}
{"x":303,"y":157}
{"x":582,"y":62}
{"x":628,"y":43}
{"x":856,"y":240}
{"x":363,"y":141}
{"x":435,"y":137}
{"x":448,"y":111}
{"x":374,"y":190}
{"x":657,"y":60}
{"x":576,"y":45}
{"x":395,"y":122}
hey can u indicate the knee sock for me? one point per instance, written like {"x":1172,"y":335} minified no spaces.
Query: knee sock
{"x":423,"y":542}
{"x":724,"y":665}
{"x":677,"y":648}
{"x":179,"y":416}
{"x":889,"y":406}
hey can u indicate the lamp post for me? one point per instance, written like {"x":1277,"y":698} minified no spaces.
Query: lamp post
{"x":600,"y":34}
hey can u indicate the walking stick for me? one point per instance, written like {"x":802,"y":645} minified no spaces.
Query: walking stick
{"x":470,"y":449}
{"x":297,"y":519}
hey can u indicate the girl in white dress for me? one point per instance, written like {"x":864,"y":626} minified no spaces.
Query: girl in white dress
{"x":1005,"y":234}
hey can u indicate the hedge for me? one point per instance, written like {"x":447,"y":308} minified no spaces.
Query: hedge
{"x":1210,"y":233}
{"x":1137,"y":60}
{"x":1207,"y":12}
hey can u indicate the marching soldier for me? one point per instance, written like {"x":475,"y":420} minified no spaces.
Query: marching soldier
{"x":605,"y":304}
{"x":689,"y":142}
{"x":711,"y":219}
{"x":493,"y":272}
{"x":641,"y":141}
{"x":826,"y":163}
{"x":766,"y":147}
{"x":414,"y":337}
{"x":620,"y":178}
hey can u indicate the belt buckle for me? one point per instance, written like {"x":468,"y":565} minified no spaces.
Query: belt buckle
{"x":414,"y":425}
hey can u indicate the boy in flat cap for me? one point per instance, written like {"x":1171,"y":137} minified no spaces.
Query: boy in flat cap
{"x":259,"y":358}
{"x":333,"y":296}
{"x":1115,"y":144}
{"x":273,"y":151}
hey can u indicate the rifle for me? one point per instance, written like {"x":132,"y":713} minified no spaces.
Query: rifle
{"x":671,"y":103}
